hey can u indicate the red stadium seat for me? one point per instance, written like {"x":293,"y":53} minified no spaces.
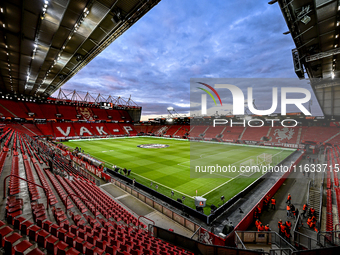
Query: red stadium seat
{"x":9,"y":241}
{"x":36,"y":251}
{"x":21,"y":247}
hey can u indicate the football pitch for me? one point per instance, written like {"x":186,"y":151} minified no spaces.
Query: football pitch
{"x":169,"y":167}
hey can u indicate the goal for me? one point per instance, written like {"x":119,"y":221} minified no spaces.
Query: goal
{"x":248,"y":167}
{"x":264,"y":159}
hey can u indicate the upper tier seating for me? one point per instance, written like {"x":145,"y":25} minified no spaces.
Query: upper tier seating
{"x":232,"y":134}
{"x":196,"y":131}
{"x":16,"y":109}
{"x":67,"y":112}
{"x":318,"y":134}
{"x":212,"y":132}
{"x":49,"y":110}
{"x":36,"y":109}
{"x":172,"y":129}
{"x":182,"y":131}
{"x":254,"y":133}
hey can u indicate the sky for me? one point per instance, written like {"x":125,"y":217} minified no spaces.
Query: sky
{"x":177,"y":40}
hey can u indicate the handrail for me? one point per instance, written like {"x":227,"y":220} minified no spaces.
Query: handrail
{"x":296,"y":223}
{"x":335,"y":227}
{"x":239,"y":239}
{"x":311,"y":238}
{"x":95,"y":216}
{"x":321,"y":201}
{"x":272,"y":240}
{"x":141,"y":216}
{"x":195,"y":232}
{"x":308,"y":187}
{"x":331,"y":233}
{"x":48,"y":200}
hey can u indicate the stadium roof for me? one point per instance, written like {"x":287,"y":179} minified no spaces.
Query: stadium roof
{"x":45,"y":42}
{"x":315,"y":26}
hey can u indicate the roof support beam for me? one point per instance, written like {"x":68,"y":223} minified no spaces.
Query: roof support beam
{"x":322,"y":55}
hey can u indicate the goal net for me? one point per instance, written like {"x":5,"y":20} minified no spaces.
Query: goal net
{"x":247,"y":167}
{"x":264,"y":159}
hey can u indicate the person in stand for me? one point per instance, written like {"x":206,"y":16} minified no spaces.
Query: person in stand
{"x":282,"y":230}
{"x":265,"y":203}
{"x":310,"y":222}
{"x":311,"y":212}
{"x":288,"y":211}
{"x":279,"y":226}
{"x":257,"y":223}
{"x":292,"y":210}
{"x":314,"y":219}
{"x":256,"y":213}
{"x":273,"y":201}
{"x":133,"y":182}
{"x":287,"y":234}
{"x":260,"y":228}
{"x":266,"y":228}
{"x":289,"y":199}
{"x":296,"y":213}
{"x":304,"y":210}
{"x":259,"y":211}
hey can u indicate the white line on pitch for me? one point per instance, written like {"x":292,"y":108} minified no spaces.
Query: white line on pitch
{"x":163,"y":185}
{"x":151,"y":180}
{"x":219,"y":186}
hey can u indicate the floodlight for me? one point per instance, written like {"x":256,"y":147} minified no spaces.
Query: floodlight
{"x":305,"y":20}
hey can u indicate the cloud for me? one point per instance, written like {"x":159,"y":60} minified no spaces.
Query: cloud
{"x":177,"y":40}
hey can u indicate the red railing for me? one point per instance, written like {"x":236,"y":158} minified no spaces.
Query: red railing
{"x":141,"y":216}
{"x":46,"y":190}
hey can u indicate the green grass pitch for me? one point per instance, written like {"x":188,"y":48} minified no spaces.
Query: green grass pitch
{"x":169,"y":167}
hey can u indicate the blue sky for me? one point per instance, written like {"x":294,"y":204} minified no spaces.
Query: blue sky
{"x":181,"y":39}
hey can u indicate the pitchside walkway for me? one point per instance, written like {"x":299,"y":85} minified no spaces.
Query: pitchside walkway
{"x":138,"y":208}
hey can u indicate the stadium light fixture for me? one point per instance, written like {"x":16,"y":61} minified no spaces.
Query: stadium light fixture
{"x":286,"y":33}
{"x":333,"y":75}
{"x":306,"y":19}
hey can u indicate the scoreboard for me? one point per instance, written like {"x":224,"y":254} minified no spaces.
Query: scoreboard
{"x":106,"y":106}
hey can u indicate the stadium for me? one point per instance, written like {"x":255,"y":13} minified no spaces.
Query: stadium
{"x":92,"y":173}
